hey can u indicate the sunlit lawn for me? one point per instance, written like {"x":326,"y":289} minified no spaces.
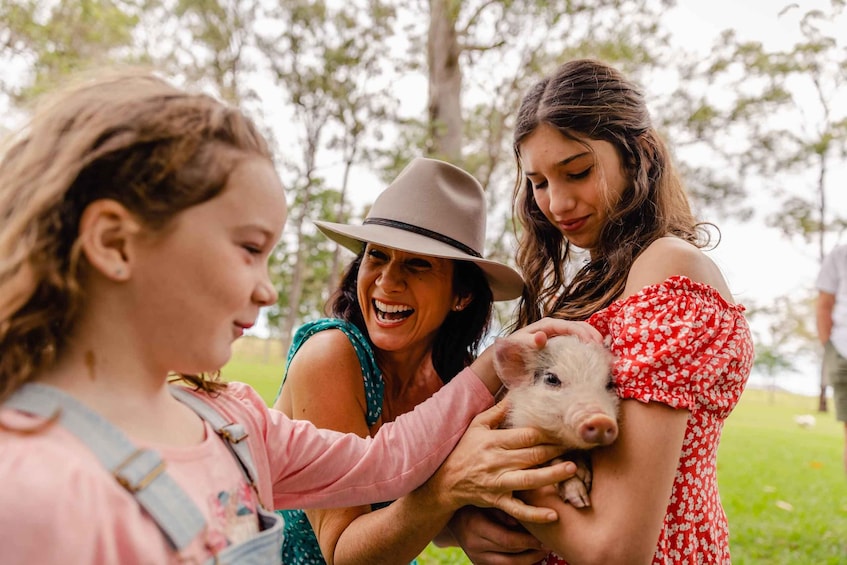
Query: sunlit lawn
{"x":783,"y":487}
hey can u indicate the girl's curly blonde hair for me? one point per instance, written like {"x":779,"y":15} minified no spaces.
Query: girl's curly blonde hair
{"x":129,"y":137}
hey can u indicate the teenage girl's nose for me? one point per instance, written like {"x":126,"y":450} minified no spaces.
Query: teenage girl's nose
{"x":562,"y":200}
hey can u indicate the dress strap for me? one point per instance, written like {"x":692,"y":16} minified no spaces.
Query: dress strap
{"x":140,"y":471}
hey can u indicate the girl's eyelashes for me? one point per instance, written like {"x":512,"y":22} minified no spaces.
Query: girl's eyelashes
{"x":580,"y":175}
{"x":252,"y":248}
{"x":569,"y":176}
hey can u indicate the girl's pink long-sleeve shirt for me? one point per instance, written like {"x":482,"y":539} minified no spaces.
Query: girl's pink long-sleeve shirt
{"x":59,"y":505}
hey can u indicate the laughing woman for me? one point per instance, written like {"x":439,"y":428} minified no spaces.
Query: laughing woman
{"x":410,"y":313}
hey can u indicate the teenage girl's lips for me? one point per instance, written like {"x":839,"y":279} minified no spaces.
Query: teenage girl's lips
{"x":573,"y":225}
{"x":240,"y":327}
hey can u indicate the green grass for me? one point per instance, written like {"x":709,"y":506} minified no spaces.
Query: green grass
{"x":783,"y":487}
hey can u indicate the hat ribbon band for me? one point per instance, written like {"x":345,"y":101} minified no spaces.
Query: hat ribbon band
{"x":424,"y":232}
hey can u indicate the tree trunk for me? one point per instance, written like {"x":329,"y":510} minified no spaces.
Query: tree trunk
{"x":445,"y":82}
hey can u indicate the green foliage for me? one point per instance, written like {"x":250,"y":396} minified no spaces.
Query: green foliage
{"x":56,"y":39}
{"x":785,"y":133}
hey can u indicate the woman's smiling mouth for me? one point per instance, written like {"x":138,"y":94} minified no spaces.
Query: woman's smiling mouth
{"x":390,"y":313}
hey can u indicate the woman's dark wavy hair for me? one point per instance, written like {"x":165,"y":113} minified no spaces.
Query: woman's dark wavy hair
{"x":458,"y":339}
{"x":587,"y":99}
{"x":130,"y":137}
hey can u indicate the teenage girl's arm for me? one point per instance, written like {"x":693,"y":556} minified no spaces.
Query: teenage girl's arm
{"x":633,"y":478}
{"x":399,"y":532}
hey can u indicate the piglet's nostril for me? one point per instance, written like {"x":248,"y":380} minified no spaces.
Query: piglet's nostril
{"x":599,"y":430}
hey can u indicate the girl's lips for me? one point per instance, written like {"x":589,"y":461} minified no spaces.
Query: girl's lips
{"x":573,"y":225}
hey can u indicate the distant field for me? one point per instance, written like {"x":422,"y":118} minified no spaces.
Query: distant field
{"x":783,"y":486}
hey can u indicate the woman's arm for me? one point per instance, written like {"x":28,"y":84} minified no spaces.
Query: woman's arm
{"x":398,"y":533}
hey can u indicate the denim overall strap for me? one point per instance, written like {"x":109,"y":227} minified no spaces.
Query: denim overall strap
{"x":266,"y":547}
{"x":139,"y":471}
{"x":233,"y":433}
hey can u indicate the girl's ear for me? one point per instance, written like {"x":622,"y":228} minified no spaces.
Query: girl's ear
{"x":106,"y":229}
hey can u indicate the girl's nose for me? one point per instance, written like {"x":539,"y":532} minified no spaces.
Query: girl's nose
{"x":265,"y":293}
{"x":562,"y":200}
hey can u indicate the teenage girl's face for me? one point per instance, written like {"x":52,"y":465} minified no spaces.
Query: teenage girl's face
{"x":201,"y":282}
{"x":404,"y":297}
{"x":572,"y":184}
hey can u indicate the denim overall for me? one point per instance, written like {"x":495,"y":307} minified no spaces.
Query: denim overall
{"x":142,"y":471}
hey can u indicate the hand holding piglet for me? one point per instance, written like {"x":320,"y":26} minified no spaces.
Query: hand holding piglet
{"x":490,"y":463}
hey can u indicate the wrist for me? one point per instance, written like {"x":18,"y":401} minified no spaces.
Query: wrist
{"x":483,"y":368}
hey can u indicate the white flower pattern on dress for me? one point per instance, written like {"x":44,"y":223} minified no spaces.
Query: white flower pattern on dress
{"x":680,"y":343}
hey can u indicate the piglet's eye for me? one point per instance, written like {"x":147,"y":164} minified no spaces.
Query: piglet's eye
{"x":550,"y":379}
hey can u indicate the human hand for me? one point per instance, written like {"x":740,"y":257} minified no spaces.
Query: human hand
{"x":535,"y":335}
{"x":489,"y":464}
{"x":490,"y":537}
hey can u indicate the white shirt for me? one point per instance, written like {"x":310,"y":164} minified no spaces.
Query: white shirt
{"x":832,"y":278}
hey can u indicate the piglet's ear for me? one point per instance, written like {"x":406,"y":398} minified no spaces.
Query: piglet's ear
{"x":510,"y":361}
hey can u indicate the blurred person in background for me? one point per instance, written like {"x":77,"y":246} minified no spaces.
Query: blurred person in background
{"x":832,"y":329}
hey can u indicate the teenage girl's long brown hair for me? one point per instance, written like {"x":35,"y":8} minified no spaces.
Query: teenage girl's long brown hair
{"x":587,"y":99}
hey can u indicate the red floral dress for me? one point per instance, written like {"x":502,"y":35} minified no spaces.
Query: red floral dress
{"x":680,"y":343}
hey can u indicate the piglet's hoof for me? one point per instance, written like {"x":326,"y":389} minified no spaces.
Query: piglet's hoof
{"x":574,"y":491}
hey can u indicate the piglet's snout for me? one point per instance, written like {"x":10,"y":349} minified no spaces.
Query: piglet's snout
{"x":598,"y":429}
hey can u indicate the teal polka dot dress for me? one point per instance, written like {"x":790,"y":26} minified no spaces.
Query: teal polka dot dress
{"x":300,"y":546}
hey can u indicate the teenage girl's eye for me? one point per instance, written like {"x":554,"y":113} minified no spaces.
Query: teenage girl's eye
{"x":580,"y":175}
{"x":252,"y":249}
{"x":539,"y":186}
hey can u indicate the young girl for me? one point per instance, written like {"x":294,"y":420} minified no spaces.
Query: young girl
{"x":594,"y":174}
{"x":137,"y":221}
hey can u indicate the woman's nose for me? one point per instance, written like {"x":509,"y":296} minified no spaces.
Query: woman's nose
{"x":390,"y":277}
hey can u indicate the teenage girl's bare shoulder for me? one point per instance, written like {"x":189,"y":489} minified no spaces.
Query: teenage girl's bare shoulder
{"x":671,"y":256}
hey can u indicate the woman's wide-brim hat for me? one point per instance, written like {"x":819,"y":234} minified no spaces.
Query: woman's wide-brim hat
{"x":431,"y":208}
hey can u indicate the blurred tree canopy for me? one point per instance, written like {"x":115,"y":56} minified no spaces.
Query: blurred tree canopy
{"x":335,"y":84}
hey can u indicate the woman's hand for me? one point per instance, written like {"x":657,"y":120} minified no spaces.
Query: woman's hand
{"x":489,"y":464}
{"x":489,"y":537}
{"x":535,"y":334}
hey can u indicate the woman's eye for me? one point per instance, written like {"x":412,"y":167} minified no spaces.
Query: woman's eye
{"x":377,"y":254}
{"x":540,"y":186}
{"x":418,"y":265}
{"x":252,"y":249}
{"x":580,"y":175}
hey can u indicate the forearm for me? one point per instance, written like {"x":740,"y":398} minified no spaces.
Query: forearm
{"x":395,"y":534}
{"x":823,"y":316}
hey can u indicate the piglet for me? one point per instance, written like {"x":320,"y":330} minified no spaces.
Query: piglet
{"x":566,"y":390}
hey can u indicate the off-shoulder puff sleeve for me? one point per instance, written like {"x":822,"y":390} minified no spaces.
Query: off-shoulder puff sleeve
{"x":679,"y":343}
